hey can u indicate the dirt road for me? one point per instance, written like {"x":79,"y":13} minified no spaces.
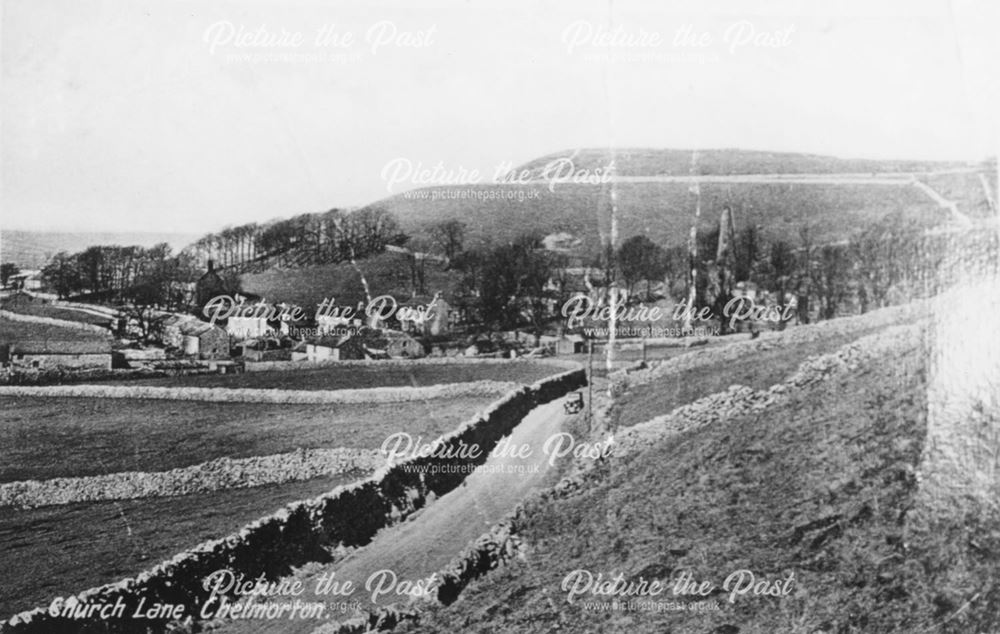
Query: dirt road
{"x":429,"y":540}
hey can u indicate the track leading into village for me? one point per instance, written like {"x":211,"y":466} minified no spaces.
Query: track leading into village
{"x":431,"y":538}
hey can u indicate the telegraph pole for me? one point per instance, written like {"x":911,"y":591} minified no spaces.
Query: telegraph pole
{"x":590,"y":385}
{"x":693,"y":248}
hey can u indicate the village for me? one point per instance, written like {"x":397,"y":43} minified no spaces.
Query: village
{"x":132,"y":312}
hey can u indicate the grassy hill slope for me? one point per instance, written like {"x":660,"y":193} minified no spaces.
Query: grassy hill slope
{"x":819,"y":486}
{"x":665,"y":211}
{"x":660,"y":162}
{"x":387,"y":273}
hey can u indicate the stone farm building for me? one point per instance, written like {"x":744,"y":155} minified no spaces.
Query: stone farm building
{"x":28,"y":346}
{"x":195,"y":338}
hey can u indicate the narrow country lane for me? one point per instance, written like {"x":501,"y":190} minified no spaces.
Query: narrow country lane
{"x":428,"y":541}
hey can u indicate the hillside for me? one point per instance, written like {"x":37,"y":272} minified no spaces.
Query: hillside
{"x":794,"y":482}
{"x":660,"y":162}
{"x":660,"y":204}
{"x":654,"y":196}
{"x":664,"y":211}
{"x":388,"y":273}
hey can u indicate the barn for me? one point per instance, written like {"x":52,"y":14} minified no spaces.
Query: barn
{"x":28,"y":346}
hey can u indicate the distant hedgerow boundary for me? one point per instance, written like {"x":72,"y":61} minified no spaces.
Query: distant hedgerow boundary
{"x":303,"y":531}
{"x":247,"y":395}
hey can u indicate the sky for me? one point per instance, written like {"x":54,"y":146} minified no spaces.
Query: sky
{"x":190,"y":115}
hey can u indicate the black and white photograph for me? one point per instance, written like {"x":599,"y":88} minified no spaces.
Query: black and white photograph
{"x":527,"y":316}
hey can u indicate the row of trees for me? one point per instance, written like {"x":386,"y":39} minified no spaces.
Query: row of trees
{"x":313,"y":238}
{"x":123,"y":274}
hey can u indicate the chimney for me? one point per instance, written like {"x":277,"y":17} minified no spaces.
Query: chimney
{"x":211,"y":265}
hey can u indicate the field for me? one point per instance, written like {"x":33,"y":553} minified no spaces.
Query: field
{"x":52,"y":437}
{"x":759,"y":371}
{"x":336,"y":377}
{"x":12,"y":331}
{"x":61,"y":550}
{"x":387,"y":274}
{"x":19,"y":304}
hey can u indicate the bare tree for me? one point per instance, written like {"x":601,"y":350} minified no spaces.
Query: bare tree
{"x":449,"y":236}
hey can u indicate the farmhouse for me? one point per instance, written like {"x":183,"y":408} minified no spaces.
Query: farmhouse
{"x":247,"y":327}
{"x":209,"y":285}
{"x":193,"y":337}
{"x":204,"y":340}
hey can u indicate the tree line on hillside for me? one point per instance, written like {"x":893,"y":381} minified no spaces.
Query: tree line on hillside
{"x":311,"y":238}
{"x":522,"y":285}
{"x":155,"y":276}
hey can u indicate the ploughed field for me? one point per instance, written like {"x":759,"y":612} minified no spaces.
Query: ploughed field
{"x":64,"y":549}
{"x":351,"y":376}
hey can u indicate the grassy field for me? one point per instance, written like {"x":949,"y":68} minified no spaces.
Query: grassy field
{"x":62,"y":550}
{"x":822,"y":486}
{"x":52,"y":437}
{"x":386,"y":273}
{"x":14,"y":331}
{"x":759,"y":371}
{"x":22,"y":305}
{"x":352,"y":377}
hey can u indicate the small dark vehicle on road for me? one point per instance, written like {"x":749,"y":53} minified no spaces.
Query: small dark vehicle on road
{"x":573,"y":403}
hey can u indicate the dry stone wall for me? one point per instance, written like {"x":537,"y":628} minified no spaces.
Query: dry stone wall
{"x":254,"y":395}
{"x":49,"y":321}
{"x":215,"y":475}
{"x":302,"y":531}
